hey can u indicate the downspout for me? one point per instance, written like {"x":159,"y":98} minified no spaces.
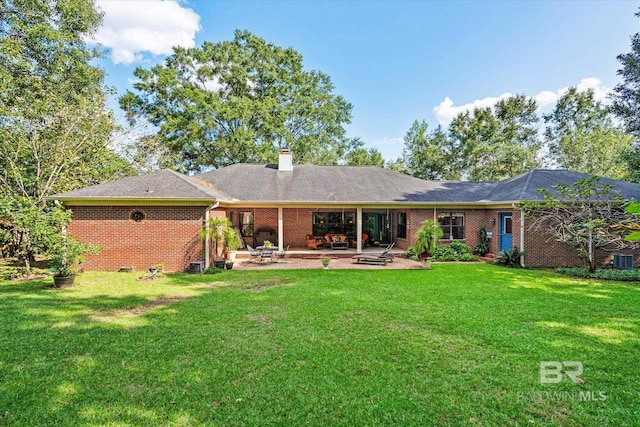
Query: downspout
{"x":206,"y":229}
{"x":521,"y":234}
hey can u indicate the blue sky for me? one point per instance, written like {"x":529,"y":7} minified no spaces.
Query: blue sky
{"x":397,"y":61}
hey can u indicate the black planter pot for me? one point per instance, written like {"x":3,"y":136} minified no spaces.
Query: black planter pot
{"x":219,"y":264}
{"x":61,"y":281}
{"x":229,"y":265}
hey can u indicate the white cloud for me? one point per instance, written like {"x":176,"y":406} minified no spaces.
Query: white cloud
{"x":446,"y":111}
{"x":133,"y":27}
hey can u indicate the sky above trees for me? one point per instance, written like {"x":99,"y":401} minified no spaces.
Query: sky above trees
{"x":396,"y":62}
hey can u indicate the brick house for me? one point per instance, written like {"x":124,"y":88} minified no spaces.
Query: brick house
{"x":157,"y":217}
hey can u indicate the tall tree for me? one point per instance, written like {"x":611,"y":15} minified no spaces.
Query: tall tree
{"x":238,"y":101}
{"x":358,"y":155}
{"x":626,"y":95}
{"x":54,"y":127}
{"x":626,"y":103}
{"x":428,"y":155}
{"x":491,"y":144}
{"x":582,"y":136}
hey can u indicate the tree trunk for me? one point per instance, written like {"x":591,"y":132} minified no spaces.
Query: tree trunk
{"x":592,"y":258}
{"x":27,"y":264}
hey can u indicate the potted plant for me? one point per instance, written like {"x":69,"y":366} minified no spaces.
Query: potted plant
{"x":267,"y":244}
{"x":325,"y":262}
{"x":231,"y":244}
{"x":427,"y":235}
{"x":65,"y":252}
{"x":215,"y":232}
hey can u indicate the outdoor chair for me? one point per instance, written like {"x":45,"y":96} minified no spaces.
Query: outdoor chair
{"x":371,"y":259}
{"x":282,"y":254}
{"x":313,"y":242}
{"x":255,"y":254}
{"x":385,"y":253}
{"x":266,"y":255}
{"x":382,"y":258}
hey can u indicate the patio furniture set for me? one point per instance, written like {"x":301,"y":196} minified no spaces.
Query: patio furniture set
{"x":263,"y":254}
{"x":332,"y":241}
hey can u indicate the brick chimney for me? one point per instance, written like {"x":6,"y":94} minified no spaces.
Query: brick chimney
{"x":285,"y":161}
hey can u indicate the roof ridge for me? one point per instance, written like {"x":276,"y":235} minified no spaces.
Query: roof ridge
{"x":195,"y":183}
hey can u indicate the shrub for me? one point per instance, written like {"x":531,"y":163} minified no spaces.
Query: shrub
{"x":483,"y":241}
{"x":213,"y":270}
{"x":411,"y":253}
{"x":456,"y":251}
{"x":603,"y":274}
{"x":510,"y":258}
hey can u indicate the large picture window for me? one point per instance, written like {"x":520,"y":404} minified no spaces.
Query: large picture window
{"x":402,"y":225}
{"x":334,"y":222}
{"x":452,"y":225}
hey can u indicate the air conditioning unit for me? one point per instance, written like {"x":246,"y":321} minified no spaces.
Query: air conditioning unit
{"x":622,"y":261}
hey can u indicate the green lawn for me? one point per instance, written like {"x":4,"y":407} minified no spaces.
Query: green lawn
{"x":459,"y":345}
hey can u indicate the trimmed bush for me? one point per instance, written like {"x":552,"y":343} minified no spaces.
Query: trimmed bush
{"x":603,"y":274}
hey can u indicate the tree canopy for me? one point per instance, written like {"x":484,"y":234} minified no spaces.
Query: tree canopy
{"x":238,"y":101}
{"x":582,"y":136}
{"x":499,"y":142}
{"x":427,"y":154}
{"x":626,"y":95}
{"x":54,"y":127}
{"x":486,"y":144}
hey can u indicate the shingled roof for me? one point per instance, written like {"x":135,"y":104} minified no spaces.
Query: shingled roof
{"x":525,"y":186}
{"x":160,"y":185}
{"x":337,"y":184}
{"x":313,"y":184}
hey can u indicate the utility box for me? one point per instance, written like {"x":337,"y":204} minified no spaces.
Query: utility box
{"x":622,"y":261}
{"x":196,"y":267}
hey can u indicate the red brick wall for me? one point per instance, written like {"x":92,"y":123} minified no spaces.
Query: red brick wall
{"x":543,"y":251}
{"x":472,"y":220}
{"x":168,"y":235}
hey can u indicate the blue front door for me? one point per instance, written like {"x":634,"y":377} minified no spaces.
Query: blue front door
{"x":506,"y":231}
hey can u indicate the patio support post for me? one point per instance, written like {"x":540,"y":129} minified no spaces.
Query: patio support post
{"x":280,"y":230}
{"x":359,"y":230}
{"x":207,"y":215}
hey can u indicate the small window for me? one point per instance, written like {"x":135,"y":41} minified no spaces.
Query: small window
{"x":402,"y":225}
{"x":137,"y":216}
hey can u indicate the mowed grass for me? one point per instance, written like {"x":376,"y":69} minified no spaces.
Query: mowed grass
{"x":459,"y":345}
